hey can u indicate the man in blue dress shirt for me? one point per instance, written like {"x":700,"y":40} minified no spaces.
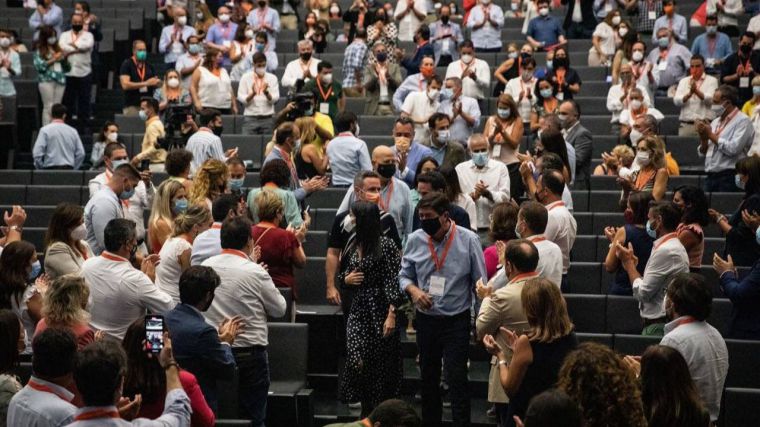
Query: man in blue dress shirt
{"x":58,"y":145}
{"x":441,"y":265}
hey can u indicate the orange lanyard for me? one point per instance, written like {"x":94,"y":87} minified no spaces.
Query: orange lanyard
{"x":557,"y":204}
{"x":725,"y":122}
{"x":289,"y":161}
{"x":560,"y":73}
{"x":386,"y":204}
{"x":97,"y":413}
{"x":306,"y":68}
{"x":258,"y":84}
{"x":536,"y":239}
{"x":235,"y":252}
{"x":140,"y":69}
{"x":664,"y":54}
{"x":524,"y":276}
{"x":42,"y":387}
{"x":322,"y":92}
{"x":642,"y":111}
{"x":111,"y":257}
{"x":439,"y":263}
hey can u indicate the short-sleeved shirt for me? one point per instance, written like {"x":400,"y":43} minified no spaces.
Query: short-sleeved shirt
{"x":339,"y":236}
{"x":334,"y":93}
{"x":277,"y":249}
{"x":545,"y":29}
{"x":128,"y":68}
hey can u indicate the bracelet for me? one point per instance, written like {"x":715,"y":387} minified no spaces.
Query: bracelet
{"x":503,"y":362}
{"x":720,"y":219}
{"x":170,"y":364}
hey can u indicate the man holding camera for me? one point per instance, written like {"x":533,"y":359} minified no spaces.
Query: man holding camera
{"x":302,"y":105}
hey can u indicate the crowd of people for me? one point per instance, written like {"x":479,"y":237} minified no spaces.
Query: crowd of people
{"x":463,"y":225}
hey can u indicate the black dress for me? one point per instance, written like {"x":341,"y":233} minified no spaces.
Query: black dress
{"x":305,"y":170}
{"x":373,"y":370}
{"x":542,"y":373}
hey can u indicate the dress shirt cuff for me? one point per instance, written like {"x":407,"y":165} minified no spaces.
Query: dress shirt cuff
{"x":405,"y":283}
{"x":727,"y":275}
{"x":637,"y":284}
{"x":225,"y":343}
{"x":699,"y":153}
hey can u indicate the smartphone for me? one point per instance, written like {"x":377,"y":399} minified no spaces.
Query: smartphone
{"x":154,"y":333}
{"x":144,"y":165}
{"x":308,"y":207}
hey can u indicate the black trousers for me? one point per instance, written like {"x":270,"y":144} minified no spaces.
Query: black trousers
{"x":76,"y":97}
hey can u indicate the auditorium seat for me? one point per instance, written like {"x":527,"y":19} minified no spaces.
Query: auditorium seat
{"x":584,"y":249}
{"x":52,"y":195}
{"x":288,"y":355}
{"x":316,"y":242}
{"x":584,"y":222}
{"x":623,"y":315}
{"x":13,"y":195}
{"x":740,"y":407}
{"x":324,"y":219}
{"x":583,"y":277}
{"x":328,"y":198}
{"x":15,"y":177}
{"x":311,"y":282}
{"x":633,"y":345}
{"x":587,"y":312}
{"x":287,"y":293}
{"x":605,"y":339}
{"x":129,"y":124}
{"x":57,"y":177}
{"x":743,"y":370}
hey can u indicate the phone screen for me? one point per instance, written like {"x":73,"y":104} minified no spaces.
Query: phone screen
{"x":144,"y":165}
{"x":154,"y":333}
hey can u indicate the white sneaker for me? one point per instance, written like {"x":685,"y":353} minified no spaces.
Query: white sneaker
{"x":355,"y":405}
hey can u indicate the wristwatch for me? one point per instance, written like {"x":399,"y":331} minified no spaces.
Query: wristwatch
{"x":503,"y":362}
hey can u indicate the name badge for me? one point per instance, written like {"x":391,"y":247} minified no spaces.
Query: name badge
{"x":383,"y":91}
{"x":57,"y":67}
{"x":608,"y":7}
{"x":709,"y":62}
{"x":226,"y":43}
{"x":496,"y":152}
{"x":560,"y":95}
{"x":324,"y":108}
{"x":662,"y":66}
{"x":143,"y":90}
{"x":743,"y":82}
{"x":177,"y":47}
{"x":652,"y":15}
{"x":437,"y":285}
{"x":445,"y":45}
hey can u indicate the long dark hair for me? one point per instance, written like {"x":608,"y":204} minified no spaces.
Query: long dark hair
{"x":10,"y":333}
{"x":368,"y":227}
{"x":13,"y":275}
{"x":554,"y":142}
{"x":453,"y":189}
{"x":640,"y":206}
{"x":418,"y":170}
{"x":65,"y":217}
{"x":669,"y":395}
{"x":750,"y":166}
{"x":695,"y":209}
{"x":144,"y":374}
{"x":45,"y":32}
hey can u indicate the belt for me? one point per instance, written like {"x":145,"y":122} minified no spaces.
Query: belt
{"x":384,"y":103}
{"x":261,"y":117}
{"x":244,"y":351}
{"x":649,"y":322}
{"x":61,"y":167}
{"x":687,"y":122}
{"x":722,"y":173}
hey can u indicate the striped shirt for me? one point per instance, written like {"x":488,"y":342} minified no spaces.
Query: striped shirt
{"x":204,"y":145}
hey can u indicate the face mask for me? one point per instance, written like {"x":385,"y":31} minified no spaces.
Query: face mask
{"x":616,"y":20}
{"x":652,"y":233}
{"x":297,"y":145}
{"x":36,"y":269}
{"x":126,"y":195}
{"x":756,"y":90}
{"x":443,"y":136}
{"x":79,"y":233}
{"x":262,"y":4}
{"x":305,"y":56}
{"x":357,"y":130}
{"x":628,"y":216}
{"x":562,"y":119}
{"x":249,"y":34}
{"x":635,"y":104}
{"x":517,"y":231}
{"x":309,"y":112}
{"x":445,"y":19}
{"x":260,"y":71}
{"x":182,"y":20}
{"x":180,"y":206}
{"x":712,"y":29}
{"x":663,"y":42}
{"x":718,"y":109}
{"x":348,"y":224}
{"x":75,"y":28}
{"x":549,"y":64}
{"x":141,"y":55}
{"x":116,"y":163}
{"x":485,"y":1}
{"x":194,"y":49}
{"x":561,"y":62}
{"x":224,"y":18}
{"x":386,"y":170}
{"x":327,"y":78}
{"x":143,"y":115}
{"x":113,"y":137}
{"x":746,"y":49}
{"x":739,"y":183}
{"x":430,"y":226}
{"x":543,"y":11}
{"x":218,"y":130}
{"x":527,"y":75}
{"x":236,"y":184}
{"x":635,"y":136}
{"x":335,"y":10}
{"x":427,"y":71}
{"x":132,"y":252}
{"x":467,"y":58}
{"x":199,"y":16}
{"x":503,"y":113}
{"x":480,"y":159}
{"x":546,"y":93}
{"x":173,"y":82}
{"x":622,"y":31}
{"x":643,"y":158}
{"x":51,"y":40}
{"x":446,"y":93}
{"x":261,"y":46}
{"x":637,"y":56}
{"x":512,"y":55}
{"x":433,"y":94}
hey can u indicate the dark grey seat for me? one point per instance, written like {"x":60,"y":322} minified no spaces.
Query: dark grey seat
{"x":583,"y":277}
{"x":322,"y":219}
{"x":606,"y":339}
{"x":288,"y":357}
{"x":742,"y":359}
{"x":587,"y":312}
{"x":740,"y":407}
{"x":52,"y":195}
{"x":287,"y":293}
{"x":623,"y":315}
{"x":316,"y":242}
{"x":328,"y":198}
{"x":584,"y":249}
{"x":13,"y":194}
{"x":57,"y":177}
{"x":633,"y":344}
{"x":15,"y":177}
{"x":584,"y":222}
{"x":311,"y":281}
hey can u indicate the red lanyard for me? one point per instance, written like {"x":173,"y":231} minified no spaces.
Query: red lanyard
{"x":140,"y":69}
{"x":286,"y":157}
{"x":386,"y":204}
{"x":225,"y":29}
{"x":524,"y":276}
{"x":536,"y":239}
{"x":322,"y":93}
{"x":235,"y":252}
{"x":44,"y":388}
{"x":112,"y":257}
{"x":725,"y":122}
{"x":665,"y":238}
{"x":439,"y":263}
{"x":97,"y":413}
{"x":685,"y":321}
{"x":216,"y":226}
{"x":422,"y":79}
{"x":557,"y":204}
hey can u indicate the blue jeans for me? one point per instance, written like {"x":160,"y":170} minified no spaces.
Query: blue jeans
{"x":721,"y":182}
{"x":253,"y":372}
{"x":446,"y":337}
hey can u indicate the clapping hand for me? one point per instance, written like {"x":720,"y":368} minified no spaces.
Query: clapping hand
{"x":610,"y":233}
{"x":751,"y":220}
{"x":714,"y":215}
{"x":625,"y":254}
{"x":723,"y":265}
{"x":230,"y":329}
{"x":129,"y":408}
{"x":634,"y":364}
{"x":17,"y":216}
{"x":491,"y":346}
{"x":482,"y":290}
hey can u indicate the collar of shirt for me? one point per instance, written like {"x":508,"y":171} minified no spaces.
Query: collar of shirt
{"x":151,"y":119}
{"x":87,"y":410}
{"x":553,"y":204}
{"x":193,"y":309}
{"x":670,"y":326}
{"x":39,"y":384}
{"x":523,"y":277}
{"x":571,"y":128}
{"x":475,"y":167}
{"x":110,"y":256}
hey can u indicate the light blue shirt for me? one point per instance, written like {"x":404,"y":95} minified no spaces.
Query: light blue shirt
{"x":58,"y":144}
{"x":207,"y":244}
{"x":489,"y":35}
{"x":53,"y":18}
{"x":220,"y":33}
{"x":416,"y":153}
{"x":463,"y":266}
{"x":31,"y":407}
{"x":271,"y":18}
{"x":102,"y":208}
{"x":446,"y":45}
{"x":459,"y":130}
{"x":680,"y":27}
{"x":172,"y":42}
{"x":720,"y":51}
{"x":733,"y":144}
{"x":204,"y":145}
{"x":6,"y":84}
{"x":571,"y":159}
{"x":413,"y":83}
{"x":348,"y":156}
{"x":400,"y":208}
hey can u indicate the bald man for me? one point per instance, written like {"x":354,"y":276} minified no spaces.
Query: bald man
{"x":619,"y":94}
{"x":486,"y":180}
{"x":394,"y":193}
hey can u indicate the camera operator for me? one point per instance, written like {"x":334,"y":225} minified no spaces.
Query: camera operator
{"x":154,"y":135}
{"x":206,"y":143}
{"x":302,"y":105}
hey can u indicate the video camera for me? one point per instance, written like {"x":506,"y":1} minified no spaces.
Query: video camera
{"x":174,"y":118}
{"x":304,"y":104}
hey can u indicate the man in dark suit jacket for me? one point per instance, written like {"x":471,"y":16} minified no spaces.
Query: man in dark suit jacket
{"x":580,"y":138}
{"x":198,"y":347}
{"x":583,"y":28}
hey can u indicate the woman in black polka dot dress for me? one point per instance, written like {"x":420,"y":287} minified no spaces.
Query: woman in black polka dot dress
{"x":373,"y":368}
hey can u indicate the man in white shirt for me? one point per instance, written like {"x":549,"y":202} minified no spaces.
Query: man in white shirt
{"x":77,"y":45}
{"x":475,"y":73}
{"x":301,"y":70}
{"x":58,"y":145}
{"x":668,"y":258}
{"x":561,"y":227}
{"x":637,"y":107}
{"x":120,"y":293}
{"x":409,"y":14}
{"x":725,"y":141}
{"x":618,"y":96}
{"x":258,"y":91}
{"x":205,"y":143}
{"x":114,"y":156}
{"x":522,"y":89}
{"x":247,"y":291}
{"x":348,"y":154}
{"x":531,"y":224}
{"x":463,"y":110}
{"x":266,"y":19}
{"x":208,"y":243}
{"x":486,"y":21}
{"x":175,"y":36}
{"x":728,"y":12}
{"x":486,"y":180}
{"x":190,"y":60}
{"x":694,"y":95}
{"x":106,"y":204}
{"x":420,"y":105}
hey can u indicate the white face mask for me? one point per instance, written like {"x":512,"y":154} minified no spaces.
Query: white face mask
{"x":199,"y":16}
{"x":543,"y":11}
{"x":642,"y":157}
{"x":79,"y":233}
{"x":5,"y":42}
{"x":224,"y":18}
{"x":616,"y":20}
{"x":260,"y":71}
{"x":51,"y":40}
{"x":637,"y":56}
{"x":327,"y":78}
{"x":467,"y":58}
{"x":249,"y":34}
{"x":182,"y":20}
{"x":433,"y":94}
{"x":635,"y":104}
{"x":622,"y":31}
{"x":334,"y":10}
{"x":635,"y":136}
{"x":113,"y":136}
{"x":173,"y":82}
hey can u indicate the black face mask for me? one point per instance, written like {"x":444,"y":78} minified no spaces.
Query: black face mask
{"x":445,"y":19}
{"x":746,"y":49}
{"x":525,"y":55}
{"x":305,"y":56}
{"x":218,"y":130}
{"x":262,"y":3}
{"x":387,"y":170}
{"x":77,"y":28}
{"x":381,"y":56}
{"x":132,"y":252}
{"x":560,"y":62}
{"x":430,"y":226}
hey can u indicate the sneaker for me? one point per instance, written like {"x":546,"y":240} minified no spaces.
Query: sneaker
{"x":491,"y":412}
{"x":411,"y":331}
{"x":355,"y":405}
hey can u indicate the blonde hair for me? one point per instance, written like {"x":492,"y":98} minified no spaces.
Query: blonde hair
{"x":162,"y":202}
{"x":624,"y":152}
{"x":545,"y":310}
{"x":64,"y":301}
{"x":756,"y":81}
{"x":657,"y":147}
{"x":308,"y":128}
{"x":207,"y":179}
{"x":268,"y":205}
{"x":195,"y":215}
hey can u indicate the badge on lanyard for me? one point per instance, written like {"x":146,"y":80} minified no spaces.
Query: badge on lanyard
{"x":324,"y":107}
{"x":743,"y":82}
{"x":437,"y":286}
